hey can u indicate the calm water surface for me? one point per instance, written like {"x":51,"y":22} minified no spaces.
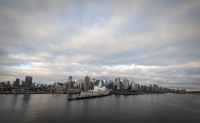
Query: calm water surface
{"x":48,"y":108}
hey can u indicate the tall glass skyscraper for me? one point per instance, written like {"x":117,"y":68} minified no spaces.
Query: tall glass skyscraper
{"x":16,"y":84}
{"x":117,"y":81}
{"x":28,"y":82}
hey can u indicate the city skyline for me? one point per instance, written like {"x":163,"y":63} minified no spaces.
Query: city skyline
{"x":27,"y":82}
{"x":146,"y":41}
{"x":73,"y":86}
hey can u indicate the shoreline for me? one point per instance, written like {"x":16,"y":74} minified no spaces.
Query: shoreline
{"x":114,"y":93}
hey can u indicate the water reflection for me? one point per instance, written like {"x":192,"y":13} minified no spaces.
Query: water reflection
{"x":26,"y":99}
{"x":14,"y":101}
{"x":140,"y":108}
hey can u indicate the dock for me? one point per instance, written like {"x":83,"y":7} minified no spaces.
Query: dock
{"x":86,"y":97}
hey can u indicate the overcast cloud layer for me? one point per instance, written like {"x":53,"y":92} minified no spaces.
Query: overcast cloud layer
{"x":152,"y":41}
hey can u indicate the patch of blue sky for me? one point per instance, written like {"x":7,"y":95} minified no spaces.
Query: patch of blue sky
{"x":23,"y":66}
{"x":123,"y":65}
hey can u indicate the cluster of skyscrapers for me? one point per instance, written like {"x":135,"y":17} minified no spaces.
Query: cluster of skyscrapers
{"x":17,"y":83}
{"x":118,"y":85}
{"x":83,"y":85}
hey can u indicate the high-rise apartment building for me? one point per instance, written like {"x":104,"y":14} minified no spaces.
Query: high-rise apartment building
{"x":125,"y":83}
{"x":87,"y":83}
{"x":69,"y":83}
{"x":135,"y":86}
{"x":80,"y":84}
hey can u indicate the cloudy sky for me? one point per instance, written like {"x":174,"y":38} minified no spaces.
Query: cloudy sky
{"x":148,"y":41}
